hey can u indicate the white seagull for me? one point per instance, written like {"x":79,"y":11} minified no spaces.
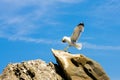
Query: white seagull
{"x":72,"y":41}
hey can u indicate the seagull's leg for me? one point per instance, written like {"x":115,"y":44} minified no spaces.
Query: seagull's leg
{"x":66,"y":48}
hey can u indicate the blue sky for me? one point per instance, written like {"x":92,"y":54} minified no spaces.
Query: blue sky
{"x":30,"y":28}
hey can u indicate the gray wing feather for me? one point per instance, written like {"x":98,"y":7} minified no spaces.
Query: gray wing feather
{"x":76,"y":33}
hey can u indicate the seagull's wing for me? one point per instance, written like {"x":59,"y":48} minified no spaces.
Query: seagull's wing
{"x":77,"y":32}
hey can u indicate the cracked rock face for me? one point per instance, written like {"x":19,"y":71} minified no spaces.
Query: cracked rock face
{"x":79,"y":67}
{"x":30,"y":70}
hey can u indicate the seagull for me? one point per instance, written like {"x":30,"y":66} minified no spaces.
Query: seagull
{"x":72,"y":41}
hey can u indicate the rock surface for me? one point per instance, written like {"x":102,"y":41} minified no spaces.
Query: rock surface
{"x":31,"y":70}
{"x":79,"y":67}
{"x":69,"y":67}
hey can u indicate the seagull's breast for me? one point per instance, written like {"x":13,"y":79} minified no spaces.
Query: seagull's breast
{"x":68,"y":40}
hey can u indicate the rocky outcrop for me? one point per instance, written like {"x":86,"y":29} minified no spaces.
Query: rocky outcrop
{"x":31,"y":70}
{"x":79,"y":67}
{"x":69,"y":67}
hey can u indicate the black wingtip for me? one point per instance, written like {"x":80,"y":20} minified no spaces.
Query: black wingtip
{"x":81,"y":24}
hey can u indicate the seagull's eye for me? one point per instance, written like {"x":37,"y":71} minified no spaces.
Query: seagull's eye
{"x":63,"y":41}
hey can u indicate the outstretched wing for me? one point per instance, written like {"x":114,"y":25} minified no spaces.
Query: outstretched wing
{"x":77,"y":32}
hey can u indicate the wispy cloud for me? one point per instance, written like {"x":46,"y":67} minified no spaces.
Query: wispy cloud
{"x":32,"y":40}
{"x":99,"y":47}
{"x":44,"y":41}
{"x":111,"y":6}
{"x":106,"y":12}
{"x":22,"y":18}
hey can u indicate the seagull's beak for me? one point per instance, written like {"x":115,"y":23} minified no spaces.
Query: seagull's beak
{"x":63,"y":40}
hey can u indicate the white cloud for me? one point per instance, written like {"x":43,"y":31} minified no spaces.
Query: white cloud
{"x":29,"y":39}
{"x":107,"y":8}
{"x":100,"y":47}
{"x":15,"y":24}
{"x":44,"y":41}
{"x":106,"y":12}
{"x":15,"y":21}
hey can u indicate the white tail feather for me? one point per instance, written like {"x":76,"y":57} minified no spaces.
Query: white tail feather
{"x":78,"y":46}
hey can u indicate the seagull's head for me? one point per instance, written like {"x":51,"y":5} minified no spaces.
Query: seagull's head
{"x":65,"y":39}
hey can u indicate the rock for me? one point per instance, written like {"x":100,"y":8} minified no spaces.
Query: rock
{"x":31,"y":70}
{"x":69,"y":67}
{"x":79,"y":67}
